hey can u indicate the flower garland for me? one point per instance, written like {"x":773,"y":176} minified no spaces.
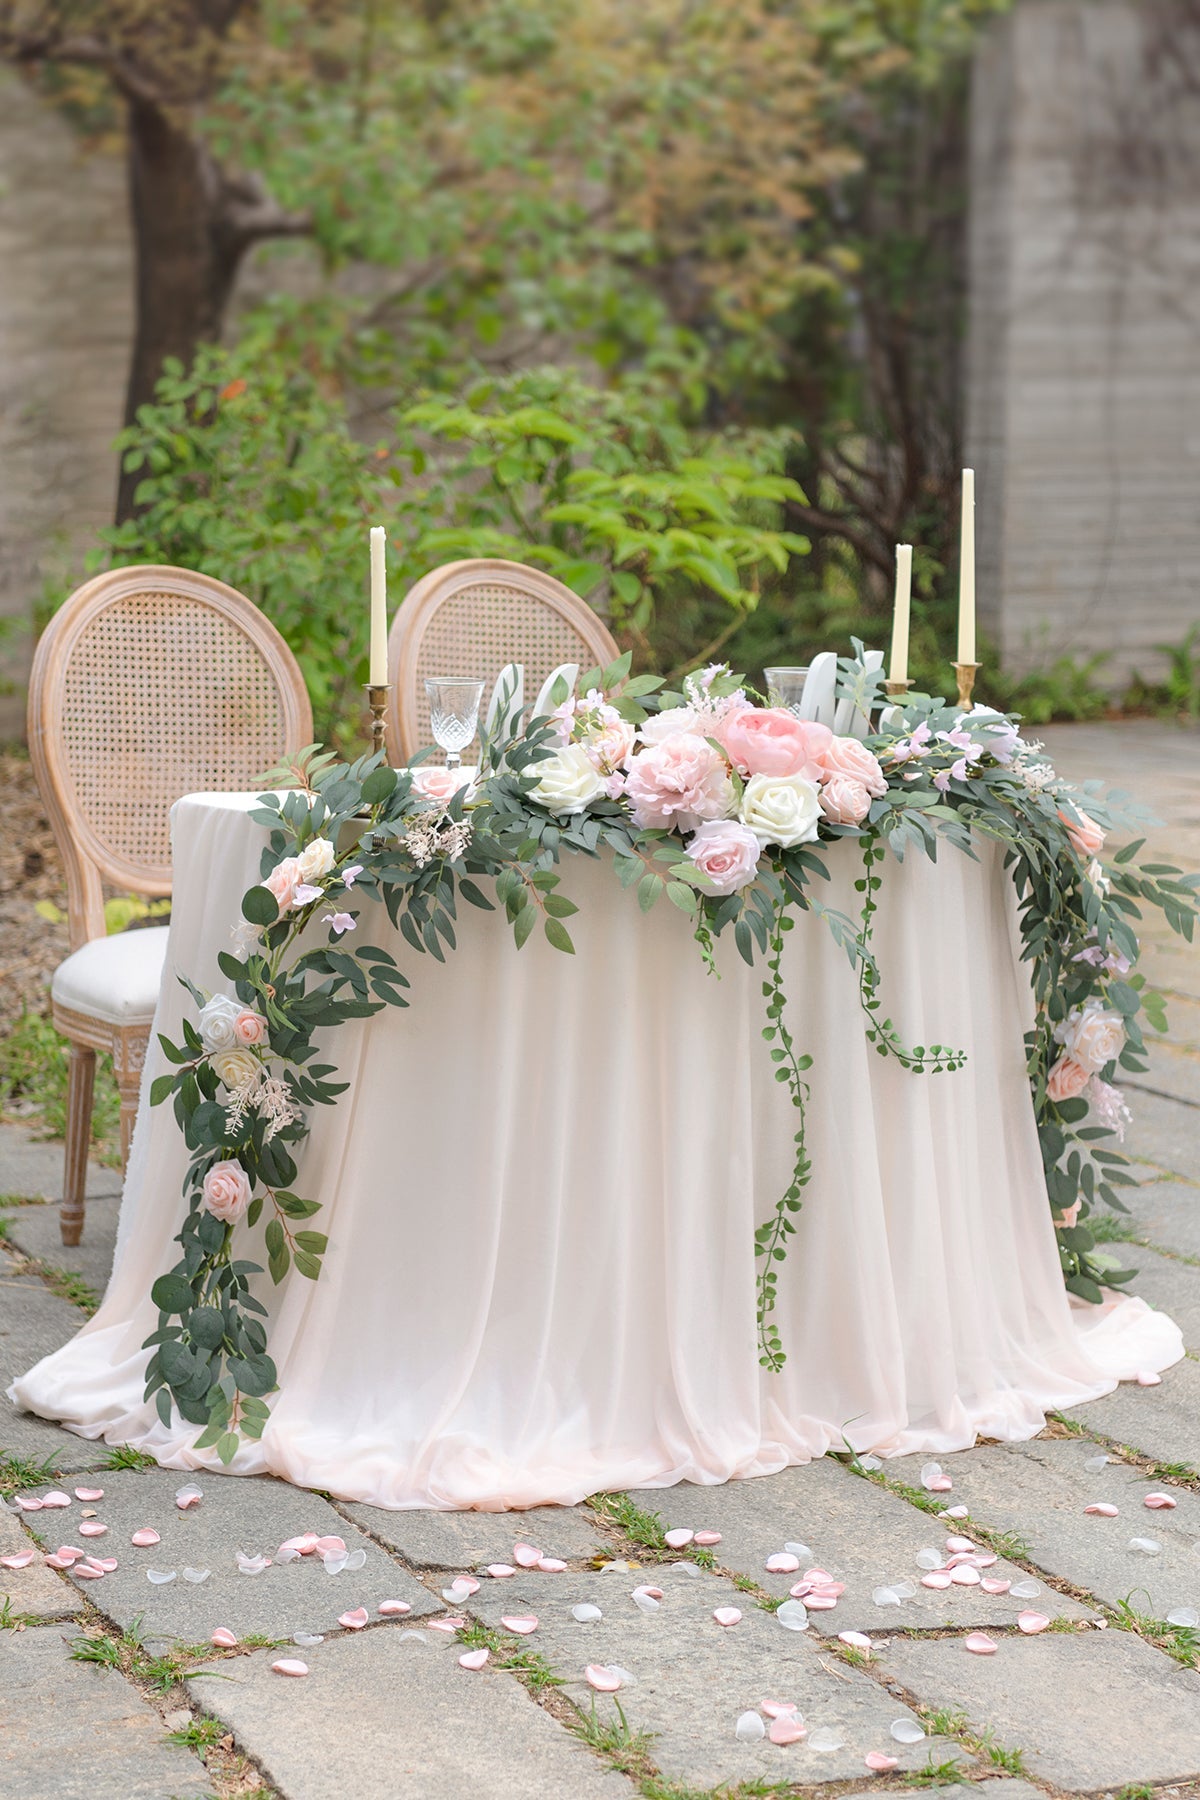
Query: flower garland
{"x":731,"y":810}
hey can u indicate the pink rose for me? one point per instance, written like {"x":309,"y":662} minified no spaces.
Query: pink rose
{"x":845,"y":801}
{"x":227,"y":1192}
{"x":608,"y":748}
{"x":1084,"y":833}
{"x":1091,"y":1036}
{"x":439,"y":783}
{"x":1070,"y":1214}
{"x":1067,"y":1080}
{"x":846,"y":756}
{"x":248,"y":1028}
{"x":678,"y":783}
{"x":770,"y":740}
{"x":283,"y":881}
{"x":727,"y":853}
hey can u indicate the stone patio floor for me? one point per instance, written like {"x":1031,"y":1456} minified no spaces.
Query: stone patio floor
{"x":1105,"y":1700}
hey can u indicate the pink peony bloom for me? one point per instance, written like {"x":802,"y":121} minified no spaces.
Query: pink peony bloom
{"x":435,"y":782}
{"x":1067,"y":1080}
{"x":227,"y":1192}
{"x":283,"y":881}
{"x":845,"y":801}
{"x":341,"y":922}
{"x":846,"y":756}
{"x":669,"y":723}
{"x":727,"y":853}
{"x":248,"y":1028}
{"x":770,"y":740}
{"x":679,"y":783}
{"x":1086,"y":837}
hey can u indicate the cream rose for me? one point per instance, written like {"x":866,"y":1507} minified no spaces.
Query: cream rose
{"x":844,"y":801}
{"x":1091,"y":1036}
{"x":567,"y":781}
{"x":316,"y":859}
{"x":218,"y":1023}
{"x":1066,"y":1080}
{"x":236,"y":1068}
{"x":283,"y":881}
{"x":727,"y":853}
{"x":227,"y":1192}
{"x":781,"y":809}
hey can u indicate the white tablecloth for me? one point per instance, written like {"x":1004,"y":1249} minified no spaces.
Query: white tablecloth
{"x":541,"y":1191}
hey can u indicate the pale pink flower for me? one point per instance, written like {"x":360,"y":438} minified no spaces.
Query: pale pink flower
{"x":283,"y":881}
{"x":351,"y":875}
{"x":306,"y":893}
{"x":727,"y":853}
{"x":609,"y":747}
{"x":341,"y":922}
{"x":436,"y":782}
{"x":679,"y":783}
{"x":1087,"y":839}
{"x":846,"y":756}
{"x":1091,"y":1035}
{"x":845,"y":801}
{"x":227,"y":1192}
{"x":1108,"y":1106}
{"x":1069,"y":1214}
{"x":248,"y":1028}
{"x":662,"y":725}
{"x":770,"y":740}
{"x":1067,"y":1080}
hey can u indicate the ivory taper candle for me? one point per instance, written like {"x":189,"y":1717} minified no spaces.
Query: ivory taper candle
{"x":379,"y":654}
{"x":966,"y":571}
{"x":899,"y":666}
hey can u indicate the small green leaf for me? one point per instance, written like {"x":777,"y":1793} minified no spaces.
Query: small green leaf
{"x":558,"y":935}
{"x":259,"y":906}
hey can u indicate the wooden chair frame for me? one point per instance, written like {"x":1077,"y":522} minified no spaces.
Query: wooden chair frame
{"x":421,"y":604}
{"x":88,"y":860}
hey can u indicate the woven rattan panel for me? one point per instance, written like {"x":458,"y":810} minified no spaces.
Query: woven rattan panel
{"x":482,"y":627}
{"x":163,"y":696}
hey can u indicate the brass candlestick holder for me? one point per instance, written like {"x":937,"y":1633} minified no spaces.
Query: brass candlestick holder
{"x":896,"y":690}
{"x":377,"y":699}
{"x":966,"y":673}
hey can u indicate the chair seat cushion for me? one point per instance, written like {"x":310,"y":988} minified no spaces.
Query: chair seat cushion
{"x":114,"y":979}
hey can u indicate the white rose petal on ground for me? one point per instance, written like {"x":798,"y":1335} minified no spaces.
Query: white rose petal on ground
{"x":473,"y":1659}
{"x":586,"y":1613}
{"x":907,"y":1731}
{"x":749,"y":1728}
{"x":1143,"y":1547}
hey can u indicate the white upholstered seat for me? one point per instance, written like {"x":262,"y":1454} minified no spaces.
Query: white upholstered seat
{"x":114,"y":979}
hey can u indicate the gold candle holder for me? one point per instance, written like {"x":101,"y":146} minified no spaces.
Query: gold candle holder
{"x":896,"y":690}
{"x":966,"y":673}
{"x":377,"y":699}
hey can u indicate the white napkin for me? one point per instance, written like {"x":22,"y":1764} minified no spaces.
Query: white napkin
{"x":507,"y":701}
{"x":570,"y":674}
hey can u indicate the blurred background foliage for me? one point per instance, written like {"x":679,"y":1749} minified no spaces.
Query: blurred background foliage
{"x":662,"y":295}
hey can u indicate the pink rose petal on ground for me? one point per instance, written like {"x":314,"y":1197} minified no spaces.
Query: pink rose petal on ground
{"x":500,"y":1571}
{"x":89,"y":1493}
{"x":290,"y":1665}
{"x":28,"y":1503}
{"x":85,"y":1572}
{"x":777,"y":1709}
{"x":92,"y":1528}
{"x":787,"y":1730}
{"x":223,"y":1638}
{"x":681,"y":1536}
{"x":1147,"y":1378}
{"x":286,"y":1556}
{"x":856,"y":1640}
{"x":20,"y":1559}
{"x":551,"y":1565}
{"x":879,"y":1763}
{"x":959,"y":1543}
{"x":71,"y":1551}
{"x":354,"y":1621}
{"x":60,"y":1562}
{"x":979,"y":1644}
{"x":782,"y":1563}
{"x":527,"y":1556}
{"x":304,"y":1545}
{"x":145,"y":1538}
{"x":107,"y":1563}
{"x":603,"y":1680}
{"x":473,"y":1659}
{"x":460,"y":1589}
{"x":447,"y":1625}
{"x":707,"y":1538}
{"x":1031,"y":1623}
{"x":1156,"y":1501}
{"x":330,"y":1546}
{"x":727,"y":1615}
{"x":190,"y":1495}
{"x":966,"y":1575}
{"x":393,"y":1609}
{"x":801,"y":1591}
{"x":818,"y":1602}
{"x":521,"y":1625}
{"x":1103,"y":1509}
{"x":991,"y":1584}
{"x":818,"y":1577}
{"x":56,"y":1499}
{"x":937,"y":1578}
{"x":941,"y":1484}
{"x":956,"y":1512}
{"x":649,"y":1593}
{"x":252,"y":1565}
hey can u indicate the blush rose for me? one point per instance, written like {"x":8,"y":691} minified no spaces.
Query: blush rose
{"x":1086,"y":836}
{"x":844,"y":801}
{"x":846,"y":756}
{"x":1092,"y":1036}
{"x":227,"y":1192}
{"x":1066,"y":1080}
{"x":727,"y":853}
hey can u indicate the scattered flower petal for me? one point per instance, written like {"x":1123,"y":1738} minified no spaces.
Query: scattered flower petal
{"x":223,"y":1638}
{"x":930,"y":1559}
{"x":857,"y":1640}
{"x":1145,"y":1546}
{"x":1103,"y":1508}
{"x":20,"y":1559}
{"x":195,"y":1575}
{"x":1026,"y":1590}
{"x":56,"y":1499}
{"x":335,"y":1562}
{"x":826,"y":1741}
{"x":788,"y":1729}
{"x":886,"y":1596}
{"x":1032,"y":1622}
{"x":1159,"y":1502}
{"x":586,"y":1613}
{"x":304,"y":1545}
{"x":551,"y":1565}
{"x":523,"y":1624}
{"x":527,"y":1556}
{"x":749,"y":1728}
{"x":966,"y":1575}
{"x":680,"y":1568}
{"x":330,"y":1546}
{"x":907,"y":1731}
{"x":52,"y":1562}
{"x":879,"y":1763}
{"x":252,"y":1565}
{"x":957,"y":1512}
{"x":146,"y":1538}
{"x":816,"y":1601}
{"x":644,"y":1602}
{"x":677,"y":1538}
{"x":602,"y":1679}
{"x":191,"y":1495}
{"x":354,"y":1621}
{"x":870,"y":1462}
{"x":979,"y":1644}
{"x":959,"y":1543}
{"x":290,"y":1665}
{"x":85,"y":1572}
{"x":92,"y":1528}
{"x":308,"y":1640}
{"x":776,"y":1709}
{"x":448,"y":1625}
{"x":706,"y":1539}
{"x":727,"y":1615}
{"x":82,"y":1493}
{"x":1094,"y":1463}
{"x":800,"y":1551}
{"x":793,"y":1615}
{"x":28,"y":1503}
{"x":393,"y":1609}
{"x":284,"y":1555}
{"x":782,"y":1563}
{"x":460,"y":1589}
{"x":991,"y":1584}
{"x":500,"y":1571}
{"x":937,"y":1578}
{"x":1184,"y":1616}
{"x":1147,"y":1378}
{"x":160,"y":1577}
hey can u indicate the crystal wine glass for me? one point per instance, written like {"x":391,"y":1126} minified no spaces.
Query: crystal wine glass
{"x":785,"y":687}
{"x":453,"y":713}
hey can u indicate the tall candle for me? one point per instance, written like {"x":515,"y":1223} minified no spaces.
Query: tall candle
{"x":899,"y":669}
{"x":379,"y":654}
{"x":966,"y":572}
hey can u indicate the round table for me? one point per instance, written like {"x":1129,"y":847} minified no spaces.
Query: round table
{"x":541,"y":1190}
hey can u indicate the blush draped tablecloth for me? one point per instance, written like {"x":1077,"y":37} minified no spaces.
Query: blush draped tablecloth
{"x":541,"y":1190}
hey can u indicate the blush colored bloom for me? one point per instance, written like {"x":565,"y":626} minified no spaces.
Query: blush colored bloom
{"x":844,"y":801}
{"x":226,"y":1192}
{"x":249,"y":1028}
{"x":679,"y":783}
{"x":341,"y":922}
{"x":1108,"y":1106}
{"x":668,"y":723}
{"x":283,"y":881}
{"x":608,"y":747}
{"x":727,"y":853}
{"x":1067,"y":1080}
{"x":846,"y":756}
{"x":1091,"y":1035}
{"x":351,"y":875}
{"x":1087,"y":839}
{"x":770,"y":740}
{"x":436,"y":782}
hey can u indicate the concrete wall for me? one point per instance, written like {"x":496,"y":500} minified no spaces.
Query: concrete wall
{"x":1083,"y":374}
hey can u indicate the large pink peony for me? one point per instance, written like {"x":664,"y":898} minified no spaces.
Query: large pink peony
{"x":227,"y":1192}
{"x":770,"y":740}
{"x":727,"y":853}
{"x":846,"y":756}
{"x":679,"y":783}
{"x":844,"y":801}
{"x":1066,"y":1080}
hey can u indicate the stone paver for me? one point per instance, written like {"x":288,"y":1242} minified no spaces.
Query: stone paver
{"x":1174,"y":1068}
{"x":1088,"y":1710}
{"x":36,"y":1591}
{"x":32,"y":1168}
{"x":1169,"y":1213}
{"x":446,"y":1540}
{"x":33,"y":1321}
{"x":1164,"y":1133}
{"x":384,"y":1718}
{"x":692,"y":1677}
{"x":77,"y":1731}
{"x":858,"y":1532}
{"x":34,"y":1230}
{"x":1039,"y":1490}
{"x":1171,"y":1286}
{"x":1162,"y":1422}
{"x":255,"y":1515}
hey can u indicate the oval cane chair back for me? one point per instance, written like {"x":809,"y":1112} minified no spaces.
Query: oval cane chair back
{"x":469,"y":619}
{"x":150,"y":683}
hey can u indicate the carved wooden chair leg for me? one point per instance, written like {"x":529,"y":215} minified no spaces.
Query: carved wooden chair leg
{"x":129,"y":1056}
{"x":81,"y":1076}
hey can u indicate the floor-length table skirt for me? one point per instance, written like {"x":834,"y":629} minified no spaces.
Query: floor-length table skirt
{"x":541,"y":1191}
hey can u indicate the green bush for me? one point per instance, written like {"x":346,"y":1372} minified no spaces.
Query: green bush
{"x":33,"y":1073}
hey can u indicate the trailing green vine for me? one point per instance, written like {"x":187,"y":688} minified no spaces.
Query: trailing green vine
{"x":770,"y":1238}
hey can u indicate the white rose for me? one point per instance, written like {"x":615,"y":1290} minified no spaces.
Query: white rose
{"x":781,"y":809}
{"x":567,"y":781}
{"x":665,"y":724}
{"x":316,"y":859}
{"x":1091,"y":1035}
{"x":236,"y":1068}
{"x":218,"y":1021}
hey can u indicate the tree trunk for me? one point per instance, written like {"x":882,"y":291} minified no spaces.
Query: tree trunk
{"x":187,"y":256}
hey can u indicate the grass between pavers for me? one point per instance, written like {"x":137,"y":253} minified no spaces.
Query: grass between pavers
{"x":63,"y":1282}
{"x":1111,"y":1228}
{"x":20,"y":1472}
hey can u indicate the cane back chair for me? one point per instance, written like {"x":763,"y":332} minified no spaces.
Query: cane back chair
{"x":470,"y":619}
{"x":147,"y":684}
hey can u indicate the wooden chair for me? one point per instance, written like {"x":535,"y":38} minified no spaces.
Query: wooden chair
{"x":149,"y":683}
{"x":469,"y":619}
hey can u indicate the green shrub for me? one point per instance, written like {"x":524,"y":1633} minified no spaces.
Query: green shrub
{"x":33,"y":1073}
